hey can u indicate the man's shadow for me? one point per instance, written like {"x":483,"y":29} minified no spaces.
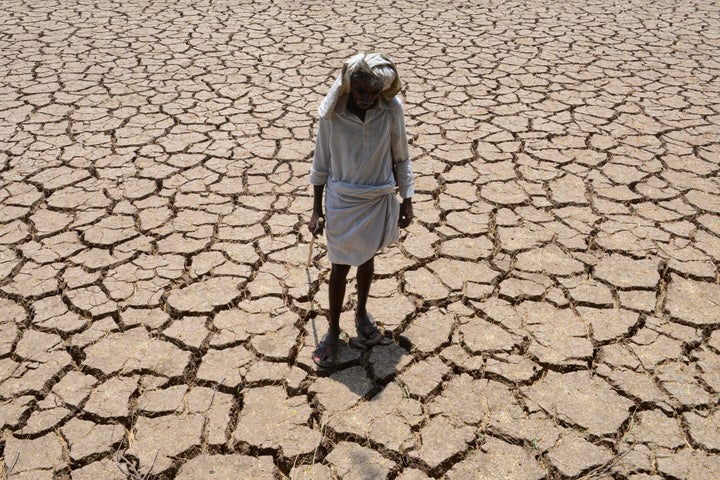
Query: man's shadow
{"x":382,"y":362}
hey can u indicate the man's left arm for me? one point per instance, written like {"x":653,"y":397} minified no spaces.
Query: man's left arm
{"x":403,"y":165}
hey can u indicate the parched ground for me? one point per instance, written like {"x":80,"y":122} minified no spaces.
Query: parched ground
{"x":554,"y":309}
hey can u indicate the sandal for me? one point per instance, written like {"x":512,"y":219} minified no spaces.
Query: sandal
{"x":368,"y":333}
{"x":325,"y":353}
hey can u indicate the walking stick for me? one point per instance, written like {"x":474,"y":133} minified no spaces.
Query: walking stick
{"x":318,"y":228}
{"x":310,"y":252}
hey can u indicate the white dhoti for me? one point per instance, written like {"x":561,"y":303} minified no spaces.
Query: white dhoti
{"x":360,"y":220}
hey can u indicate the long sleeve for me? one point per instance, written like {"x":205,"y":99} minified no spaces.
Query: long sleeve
{"x":400,"y":150}
{"x":321,"y":160}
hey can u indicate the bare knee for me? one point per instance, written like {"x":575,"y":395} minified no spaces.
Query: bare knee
{"x":369,"y":265}
{"x":339,"y":272}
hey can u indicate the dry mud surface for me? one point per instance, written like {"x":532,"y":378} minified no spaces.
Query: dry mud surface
{"x":554,"y":309}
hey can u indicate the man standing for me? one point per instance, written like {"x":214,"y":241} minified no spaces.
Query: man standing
{"x":361,"y":154}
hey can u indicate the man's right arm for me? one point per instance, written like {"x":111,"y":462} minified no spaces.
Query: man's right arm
{"x":318,"y":199}
{"x":315,"y":225}
{"x":318,"y":177}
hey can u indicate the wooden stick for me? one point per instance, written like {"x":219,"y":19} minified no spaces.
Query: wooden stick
{"x":319,"y":227}
{"x":310,"y":252}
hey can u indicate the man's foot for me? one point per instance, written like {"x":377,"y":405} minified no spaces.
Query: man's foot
{"x":325,"y":353}
{"x":368,"y":333}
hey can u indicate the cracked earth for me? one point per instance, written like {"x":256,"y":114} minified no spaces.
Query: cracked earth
{"x":554,"y":309}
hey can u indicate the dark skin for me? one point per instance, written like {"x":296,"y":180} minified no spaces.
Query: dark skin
{"x":364,"y":95}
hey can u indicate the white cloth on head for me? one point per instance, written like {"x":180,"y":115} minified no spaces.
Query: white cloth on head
{"x":354,"y":160}
{"x":376,"y":64}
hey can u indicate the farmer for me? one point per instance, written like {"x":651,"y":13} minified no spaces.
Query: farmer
{"x":361,"y":154}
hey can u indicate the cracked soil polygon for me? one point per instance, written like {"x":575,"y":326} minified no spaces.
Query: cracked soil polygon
{"x":557,"y":292}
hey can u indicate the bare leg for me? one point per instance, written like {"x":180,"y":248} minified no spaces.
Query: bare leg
{"x":368,"y":332}
{"x":336,"y":287}
{"x":365,"y":273}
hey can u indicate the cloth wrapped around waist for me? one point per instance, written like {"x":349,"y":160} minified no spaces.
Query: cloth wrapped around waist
{"x":360,"y":220}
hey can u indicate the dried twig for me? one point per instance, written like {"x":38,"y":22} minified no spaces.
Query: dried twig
{"x":152,"y":465}
{"x":604,"y":469}
{"x":131,"y":468}
{"x":212,"y":398}
{"x":8,"y":469}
